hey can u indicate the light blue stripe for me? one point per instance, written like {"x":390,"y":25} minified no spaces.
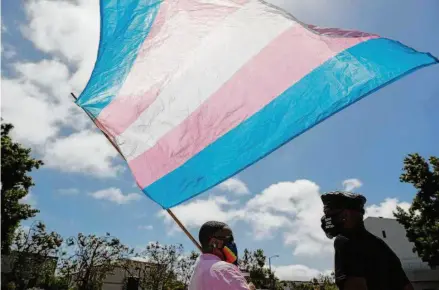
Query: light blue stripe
{"x":339,"y":82}
{"x":124,"y":28}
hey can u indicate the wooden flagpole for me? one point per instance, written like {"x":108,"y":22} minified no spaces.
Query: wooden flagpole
{"x":167,"y":210}
{"x":184,"y":229}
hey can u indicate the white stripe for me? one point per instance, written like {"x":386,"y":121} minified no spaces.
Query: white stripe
{"x":222,"y":53}
{"x":179,"y":35}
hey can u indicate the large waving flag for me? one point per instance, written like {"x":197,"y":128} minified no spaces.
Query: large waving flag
{"x":193,"y":91}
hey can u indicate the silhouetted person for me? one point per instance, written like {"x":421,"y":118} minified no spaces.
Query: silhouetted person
{"x":362,"y":260}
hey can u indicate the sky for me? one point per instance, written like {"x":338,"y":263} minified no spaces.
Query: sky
{"x":48,"y":50}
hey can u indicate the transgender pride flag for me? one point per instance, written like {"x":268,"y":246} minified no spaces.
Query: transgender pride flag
{"x":193,"y":91}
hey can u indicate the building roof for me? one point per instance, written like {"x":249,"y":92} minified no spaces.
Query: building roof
{"x":377,"y":218}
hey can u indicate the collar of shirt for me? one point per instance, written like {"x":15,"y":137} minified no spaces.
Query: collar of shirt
{"x":209,"y":257}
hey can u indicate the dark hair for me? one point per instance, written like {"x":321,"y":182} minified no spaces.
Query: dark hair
{"x":343,"y":200}
{"x":208,"y":230}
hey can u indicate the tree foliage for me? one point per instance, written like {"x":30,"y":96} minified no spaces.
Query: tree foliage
{"x":246,"y":262}
{"x":326,"y":282}
{"x":321,"y":282}
{"x":91,"y":259}
{"x":163,"y":265}
{"x":16,"y":165}
{"x":185,"y":267}
{"x":34,"y":255}
{"x":421,"y":221}
{"x":255,"y":264}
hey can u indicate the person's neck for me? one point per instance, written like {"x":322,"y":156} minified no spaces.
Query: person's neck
{"x":214,"y":254}
{"x":355,"y":231}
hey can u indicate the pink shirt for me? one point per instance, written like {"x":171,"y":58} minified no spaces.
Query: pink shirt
{"x":211,"y":273}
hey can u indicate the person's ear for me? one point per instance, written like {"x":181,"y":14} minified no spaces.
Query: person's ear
{"x":214,"y":243}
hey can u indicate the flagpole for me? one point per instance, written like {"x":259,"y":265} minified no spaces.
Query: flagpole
{"x":183,"y":228}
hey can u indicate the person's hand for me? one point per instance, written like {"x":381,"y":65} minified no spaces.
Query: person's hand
{"x":251,"y":286}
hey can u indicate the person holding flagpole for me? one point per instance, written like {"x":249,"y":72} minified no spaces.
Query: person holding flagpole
{"x":217,"y":267}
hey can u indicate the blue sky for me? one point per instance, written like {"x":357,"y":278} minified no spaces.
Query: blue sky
{"x":48,"y":49}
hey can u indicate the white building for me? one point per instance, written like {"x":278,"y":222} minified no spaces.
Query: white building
{"x":394,"y":234}
{"x":120,"y":277}
{"x":117,"y":280}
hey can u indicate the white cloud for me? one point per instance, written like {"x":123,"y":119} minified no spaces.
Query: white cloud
{"x":275,"y":208}
{"x":38,"y":103}
{"x":263,"y":224}
{"x":295,"y":273}
{"x":351,"y":184}
{"x":115,"y":195}
{"x":46,"y":74}
{"x":61,"y":28}
{"x":300,"y":203}
{"x":68,"y":191}
{"x":386,"y":208}
{"x":286,"y":197}
{"x":86,"y":152}
{"x":147,"y":227}
{"x":27,"y":108}
{"x":290,"y":209}
{"x":293,"y":208}
{"x":197,"y":212}
{"x":8,"y":51}
{"x":234,"y":185}
{"x":37,"y":99}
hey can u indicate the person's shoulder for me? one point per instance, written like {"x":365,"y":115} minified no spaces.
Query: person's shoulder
{"x":379,"y":245}
{"x":223,"y":266}
{"x":374,"y":241}
{"x":227,"y":276}
{"x":341,"y":242}
{"x":227,"y":272}
{"x":226,"y":269}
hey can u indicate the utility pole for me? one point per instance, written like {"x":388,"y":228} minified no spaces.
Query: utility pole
{"x":271,"y":273}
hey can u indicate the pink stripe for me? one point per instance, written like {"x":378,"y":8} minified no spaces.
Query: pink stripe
{"x":125,"y":109}
{"x":157,"y":26}
{"x":282,"y":63}
{"x":196,"y":10}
